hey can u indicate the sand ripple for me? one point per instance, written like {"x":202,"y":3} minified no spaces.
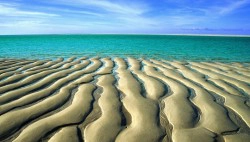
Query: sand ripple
{"x":123,"y":100}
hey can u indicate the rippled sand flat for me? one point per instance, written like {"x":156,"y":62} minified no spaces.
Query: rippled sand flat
{"x":123,"y":100}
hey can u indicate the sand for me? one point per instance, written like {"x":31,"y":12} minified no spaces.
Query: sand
{"x":123,"y":100}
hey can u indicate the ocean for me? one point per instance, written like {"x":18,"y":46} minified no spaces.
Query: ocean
{"x":168,"y":47}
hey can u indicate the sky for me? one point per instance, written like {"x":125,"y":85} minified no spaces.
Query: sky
{"x":125,"y":17}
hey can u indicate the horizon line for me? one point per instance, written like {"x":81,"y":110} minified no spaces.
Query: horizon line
{"x":222,"y":35}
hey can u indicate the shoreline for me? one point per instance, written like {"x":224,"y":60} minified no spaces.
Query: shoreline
{"x":123,"y":99}
{"x":141,"y":58}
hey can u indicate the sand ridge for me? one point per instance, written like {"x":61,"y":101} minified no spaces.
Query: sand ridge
{"x":139,"y":100}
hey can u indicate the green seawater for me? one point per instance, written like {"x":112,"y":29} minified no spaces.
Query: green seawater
{"x":169,"y":47}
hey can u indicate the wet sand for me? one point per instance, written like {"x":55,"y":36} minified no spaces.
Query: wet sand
{"x":123,"y":100}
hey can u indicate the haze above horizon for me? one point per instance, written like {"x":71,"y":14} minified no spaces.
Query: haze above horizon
{"x":125,"y":17}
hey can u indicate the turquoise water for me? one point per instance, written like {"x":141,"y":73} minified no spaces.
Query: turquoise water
{"x":170,"y":47}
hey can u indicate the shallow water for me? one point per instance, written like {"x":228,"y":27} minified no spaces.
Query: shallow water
{"x":169,"y":47}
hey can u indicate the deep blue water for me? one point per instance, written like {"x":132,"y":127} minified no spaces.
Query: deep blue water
{"x":170,"y":47}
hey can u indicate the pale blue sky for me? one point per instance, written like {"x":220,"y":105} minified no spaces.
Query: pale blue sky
{"x":125,"y":16}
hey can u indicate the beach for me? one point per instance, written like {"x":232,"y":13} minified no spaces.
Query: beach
{"x":128,"y":99}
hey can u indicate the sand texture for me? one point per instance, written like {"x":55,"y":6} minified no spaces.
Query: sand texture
{"x":123,"y":100}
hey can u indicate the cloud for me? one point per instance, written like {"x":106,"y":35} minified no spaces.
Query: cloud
{"x":82,"y":12}
{"x":15,"y":20}
{"x":188,"y":14}
{"x":232,"y":6}
{"x":114,"y":16}
{"x":106,"y":6}
{"x":7,"y":9}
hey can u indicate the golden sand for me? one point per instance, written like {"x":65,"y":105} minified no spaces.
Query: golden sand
{"x":124,"y":100}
